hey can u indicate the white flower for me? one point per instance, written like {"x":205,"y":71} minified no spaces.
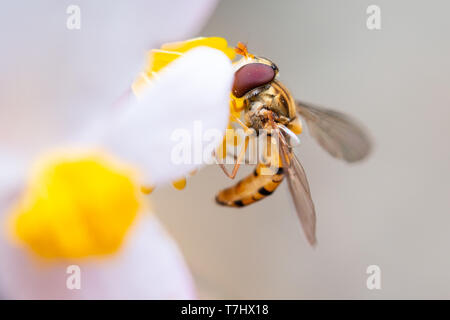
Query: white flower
{"x":193,"y":88}
{"x":188,"y":90}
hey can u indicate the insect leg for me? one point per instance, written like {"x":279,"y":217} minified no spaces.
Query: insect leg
{"x":239,"y":122}
{"x":241,"y":155}
{"x":239,"y":159}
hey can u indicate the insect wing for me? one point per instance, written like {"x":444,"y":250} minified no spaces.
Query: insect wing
{"x":341,"y":136}
{"x":299,"y":188}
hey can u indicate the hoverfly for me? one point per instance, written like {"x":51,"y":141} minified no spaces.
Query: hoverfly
{"x":267,"y":104}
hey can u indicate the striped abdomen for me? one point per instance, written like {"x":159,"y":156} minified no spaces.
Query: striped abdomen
{"x":252,"y":188}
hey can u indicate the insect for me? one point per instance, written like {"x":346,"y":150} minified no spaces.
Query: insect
{"x":268,"y":105}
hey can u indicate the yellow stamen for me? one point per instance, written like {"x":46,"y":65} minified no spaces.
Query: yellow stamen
{"x":179,"y":184}
{"x":212,"y":42}
{"x":236,"y":106}
{"x":77,"y":206}
{"x":158,"y":59}
{"x":147,"y":189}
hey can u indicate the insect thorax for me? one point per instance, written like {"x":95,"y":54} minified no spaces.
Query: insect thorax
{"x":272,"y":97}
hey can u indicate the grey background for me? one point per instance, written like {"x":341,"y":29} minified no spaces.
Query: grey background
{"x":392,"y":210}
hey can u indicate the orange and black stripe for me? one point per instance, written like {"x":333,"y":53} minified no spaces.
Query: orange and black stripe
{"x":252,"y":188}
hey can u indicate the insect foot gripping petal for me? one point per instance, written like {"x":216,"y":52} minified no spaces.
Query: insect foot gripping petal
{"x":252,"y":188}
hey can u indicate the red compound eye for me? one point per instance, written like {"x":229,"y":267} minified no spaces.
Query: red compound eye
{"x":251,"y":76}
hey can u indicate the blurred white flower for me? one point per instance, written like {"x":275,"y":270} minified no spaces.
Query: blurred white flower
{"x":148,"y":266}
{"x":194,"y":88}
{"x":54,"y":79}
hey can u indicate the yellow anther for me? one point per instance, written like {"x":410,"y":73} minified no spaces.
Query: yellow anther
{"x":77,"y":206}
{"x":179,"y":184}
{"x":236,"y":105}
{"x":147,"y":189}
{"x":212,"y":42}
{"x":158,"y":59}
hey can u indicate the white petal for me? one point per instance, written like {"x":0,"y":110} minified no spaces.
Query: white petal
{"x":190,"y":96}
{"x":53,"y":79}
{"x":12,"y":174}
{"x":149,"y":266}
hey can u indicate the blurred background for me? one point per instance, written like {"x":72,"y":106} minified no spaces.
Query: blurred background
{"x":392,"y":210}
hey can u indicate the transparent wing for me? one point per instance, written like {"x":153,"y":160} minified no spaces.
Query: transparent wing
{"x":341,"y":136}
{"x":299,"y":188}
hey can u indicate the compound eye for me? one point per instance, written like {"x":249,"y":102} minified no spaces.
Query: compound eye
{"x":251,"y":76}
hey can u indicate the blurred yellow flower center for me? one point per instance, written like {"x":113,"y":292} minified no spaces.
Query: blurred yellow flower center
{"x":77,"y":206}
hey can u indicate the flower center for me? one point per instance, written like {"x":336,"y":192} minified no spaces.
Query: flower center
{"x":77,"y":206}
